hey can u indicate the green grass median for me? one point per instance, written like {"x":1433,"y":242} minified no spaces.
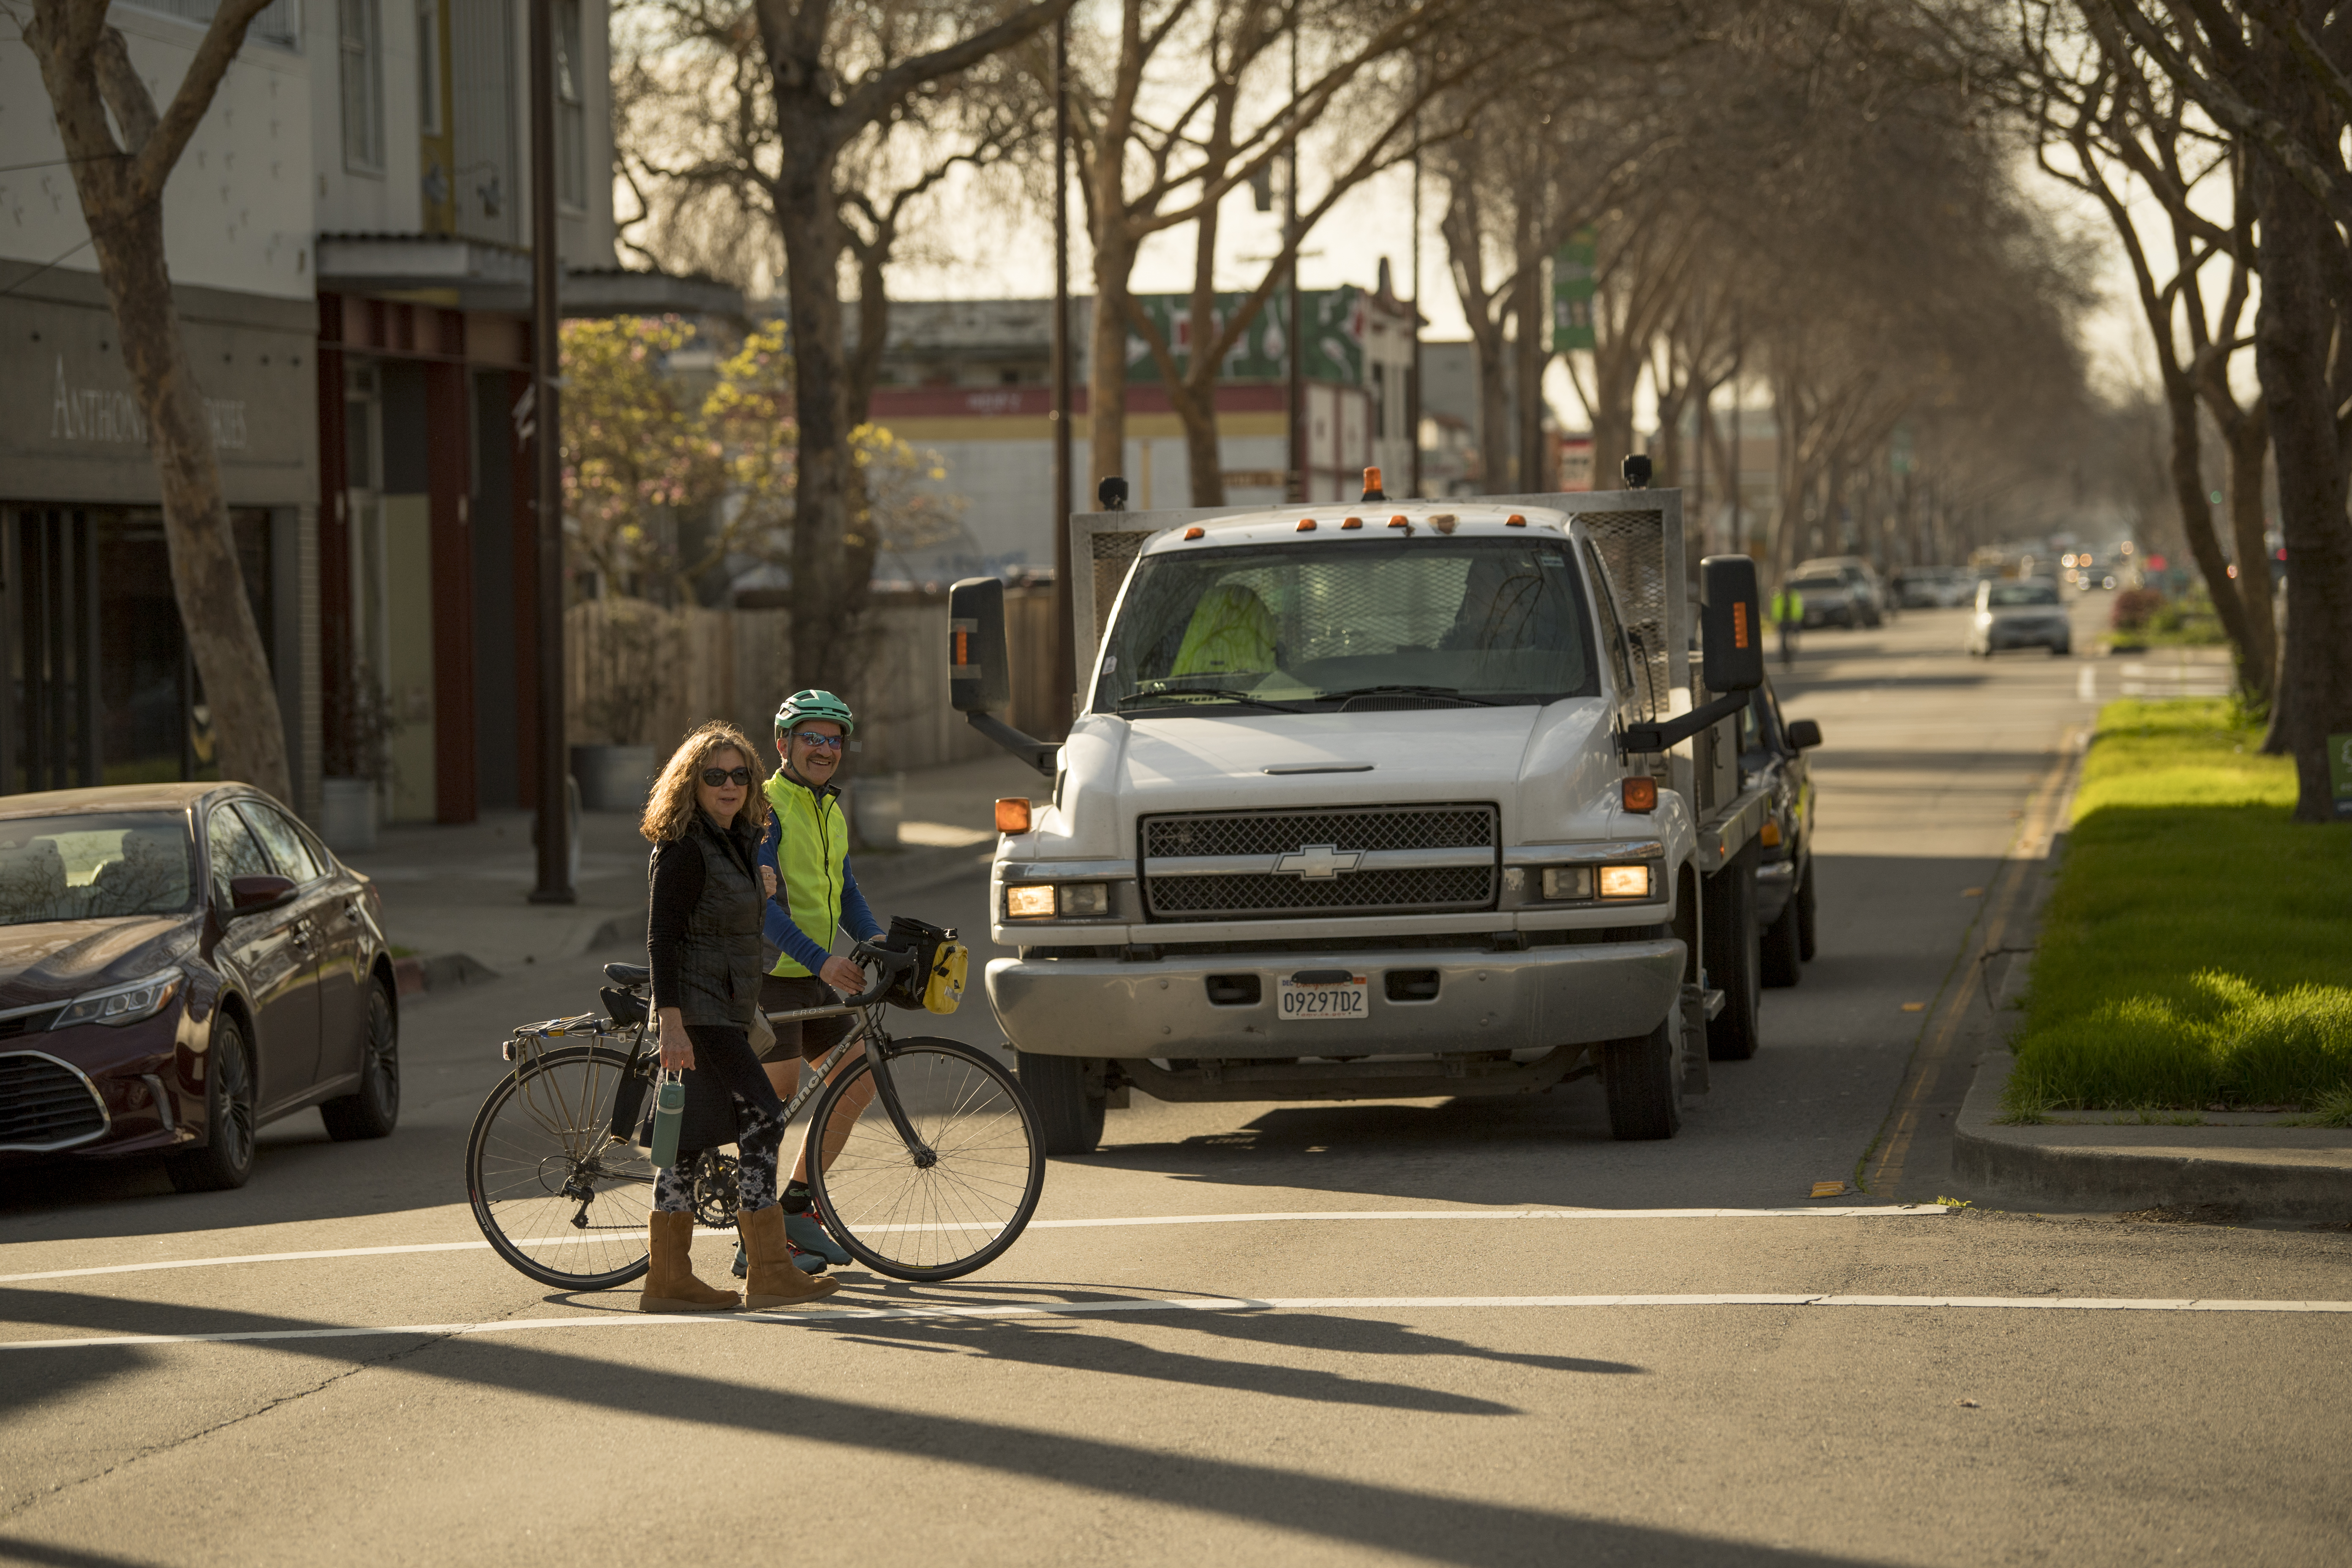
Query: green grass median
{"x":2198,"y":949}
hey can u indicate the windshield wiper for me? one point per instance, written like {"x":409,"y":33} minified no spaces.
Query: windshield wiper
{"x":1447,"y":691}
{"x":1178,"y":692}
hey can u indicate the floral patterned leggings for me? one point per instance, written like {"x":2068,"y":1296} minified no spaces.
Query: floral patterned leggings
{"x":726,"y":1055}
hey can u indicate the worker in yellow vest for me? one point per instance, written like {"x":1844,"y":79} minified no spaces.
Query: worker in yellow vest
{"x":1787,"y":614}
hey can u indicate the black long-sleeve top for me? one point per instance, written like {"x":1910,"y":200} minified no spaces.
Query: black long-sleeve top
{"x":677,"y":878}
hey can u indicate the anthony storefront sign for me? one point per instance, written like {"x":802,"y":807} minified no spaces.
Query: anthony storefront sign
{"x":2339,"y":771}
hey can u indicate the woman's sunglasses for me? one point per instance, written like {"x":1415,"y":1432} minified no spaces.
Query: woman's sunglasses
{"x":714,"y":777}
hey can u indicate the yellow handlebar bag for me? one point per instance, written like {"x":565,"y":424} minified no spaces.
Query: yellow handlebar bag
{"x":943,"y":987}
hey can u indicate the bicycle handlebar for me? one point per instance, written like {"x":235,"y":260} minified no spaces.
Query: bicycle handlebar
{"x":892,"y":965}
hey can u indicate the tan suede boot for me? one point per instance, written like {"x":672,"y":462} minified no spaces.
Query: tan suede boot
{"x":671,"y":1284}
{"x":773,"y":1281}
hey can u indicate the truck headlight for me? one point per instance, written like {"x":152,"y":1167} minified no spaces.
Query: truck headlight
{"x":1035,"y":903}
{"x":1624,"y":881}
{"x":1084,"y":899}
{"x":1567,"y":881}
{"x":122,"y":1005}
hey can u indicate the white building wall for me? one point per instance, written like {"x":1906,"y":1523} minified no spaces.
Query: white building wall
{"x":351,"y":200}
{"x":237,"y":208}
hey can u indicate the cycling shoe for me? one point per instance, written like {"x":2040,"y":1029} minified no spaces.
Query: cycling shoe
{"x":807,"y":1235}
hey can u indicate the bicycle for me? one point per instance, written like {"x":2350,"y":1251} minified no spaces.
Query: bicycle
{"x":938,"y":1177}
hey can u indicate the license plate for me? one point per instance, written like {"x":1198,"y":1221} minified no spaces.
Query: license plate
{"x":1324,"y":1000}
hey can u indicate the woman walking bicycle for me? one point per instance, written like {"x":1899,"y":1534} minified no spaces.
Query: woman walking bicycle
{"x":703,"y":925}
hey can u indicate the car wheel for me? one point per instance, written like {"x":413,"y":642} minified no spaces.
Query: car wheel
{"x":1783,"y":948}
{"x":226,"y":1159}
{"x":1732,"y":1034}
{"x":1069,"y":1120}
{"x":1639,"y":1081}
{"x":1804,"y":902}
{"x":372,"y":1110}
{"x":2061,"y":651}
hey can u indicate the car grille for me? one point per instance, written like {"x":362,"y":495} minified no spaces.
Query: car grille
{"x":45,"y":1104}
{"x":1204,"y":864}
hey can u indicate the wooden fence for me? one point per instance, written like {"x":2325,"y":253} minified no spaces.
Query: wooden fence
{"x":636,"y":673}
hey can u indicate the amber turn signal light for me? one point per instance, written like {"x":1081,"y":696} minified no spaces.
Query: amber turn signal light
{"x":1640,"y":794}
{"x":1769,"y":836}
{"x":1013,"y":815}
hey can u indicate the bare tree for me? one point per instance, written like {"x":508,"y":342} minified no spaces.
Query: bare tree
{"x":119,"y":168}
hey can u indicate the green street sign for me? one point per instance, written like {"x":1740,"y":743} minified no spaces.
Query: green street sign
{"x":2339,"y":771}
{"x":1573,"y":278}
{"x":1333,"y":322}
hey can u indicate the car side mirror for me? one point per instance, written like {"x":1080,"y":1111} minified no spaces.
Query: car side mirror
{"x":979,"y":672}
{"x":1804,"y":734}
{"x":250,"y":895}
{"x":1731,"y":623}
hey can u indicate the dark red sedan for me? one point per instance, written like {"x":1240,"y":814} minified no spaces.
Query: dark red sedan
{"x":179,"y":965}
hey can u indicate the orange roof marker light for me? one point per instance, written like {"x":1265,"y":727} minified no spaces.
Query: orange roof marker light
{"x":1012,"y":813}
{"x":1372,"y":490}
{"x":1306,"y":525}
{"x":1191,"y":533}
{"x":1399,"y":522}
{"x":1515,"y":520}
{"x":1351,"y":522}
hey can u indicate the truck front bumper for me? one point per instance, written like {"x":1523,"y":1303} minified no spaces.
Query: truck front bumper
{"x":1538,"y":998}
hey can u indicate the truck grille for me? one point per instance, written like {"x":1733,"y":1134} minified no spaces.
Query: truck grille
{"x":1204,"y":864}
{"x":45,"y":1104}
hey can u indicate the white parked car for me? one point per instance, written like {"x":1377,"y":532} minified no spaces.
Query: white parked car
{"x":2021,"y":611}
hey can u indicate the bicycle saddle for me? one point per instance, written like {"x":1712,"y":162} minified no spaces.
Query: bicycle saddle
{"x":628,"y":973}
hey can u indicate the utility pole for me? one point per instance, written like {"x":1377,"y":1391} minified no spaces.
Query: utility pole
{"x":547,"y":469}
{"x":1413,"y":375}
{"x":1532,"y":322}
{"x":1066,"y":650}
{"x":1739,"y":369}
{"x":1296,"y":352}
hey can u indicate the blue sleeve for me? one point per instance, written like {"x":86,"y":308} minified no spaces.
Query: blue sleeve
{"x":855,"y":913}
{"x":777,"y":926}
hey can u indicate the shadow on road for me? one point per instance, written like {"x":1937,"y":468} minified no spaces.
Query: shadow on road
{"x":1393,"y":1519}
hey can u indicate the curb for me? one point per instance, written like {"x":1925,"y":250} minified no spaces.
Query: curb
{"x":443,"y":972}
{"x":2010,"y":1162}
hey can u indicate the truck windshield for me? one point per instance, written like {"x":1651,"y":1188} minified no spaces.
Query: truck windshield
{"x":1312,"y":628}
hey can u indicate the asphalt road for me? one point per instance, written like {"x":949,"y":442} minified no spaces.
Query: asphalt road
{"x":1487,"y":1344}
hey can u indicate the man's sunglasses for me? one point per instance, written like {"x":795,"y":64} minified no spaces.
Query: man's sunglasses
{"x":714,"y":777}
{"x":829,"y":743}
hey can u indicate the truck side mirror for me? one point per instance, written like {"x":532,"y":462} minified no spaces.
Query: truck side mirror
{"x":1803,"y":734}
{"x":1731,"y":626}
{"x":979,"y":672}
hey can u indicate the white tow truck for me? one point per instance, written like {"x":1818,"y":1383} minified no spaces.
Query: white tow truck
{"x":1380,"y":800}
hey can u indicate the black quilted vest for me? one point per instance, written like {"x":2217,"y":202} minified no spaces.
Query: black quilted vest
{"x":718,"y":976}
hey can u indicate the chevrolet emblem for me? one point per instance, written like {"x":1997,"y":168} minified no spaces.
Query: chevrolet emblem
{"x":1319,"y":862}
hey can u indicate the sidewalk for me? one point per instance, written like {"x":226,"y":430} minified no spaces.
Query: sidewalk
{"x":456,"y":899}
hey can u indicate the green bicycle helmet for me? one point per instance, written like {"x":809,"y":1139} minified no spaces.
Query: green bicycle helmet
{"x":802,"y":706}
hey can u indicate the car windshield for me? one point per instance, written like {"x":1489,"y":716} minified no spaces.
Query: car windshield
{"x":1818,"y":585}
{"x":1309,"y":627}
{"x":2009,"y":595}
{"x":94,"y":866}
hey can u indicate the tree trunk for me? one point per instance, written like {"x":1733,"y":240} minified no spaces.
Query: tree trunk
{"x":2249,"y":440}
{"x":2196,"y":511}
{"x":1107,"y":354}
{"x":127,"y":234}
{"x":2293,"y":337}
{"x":826,"y":600}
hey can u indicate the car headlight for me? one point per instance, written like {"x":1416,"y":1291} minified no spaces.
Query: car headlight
{"x":1071,"y":900}
{"x":123,"y":1003}
{"x":1568,"y":882}
{"x":1624,"y":881}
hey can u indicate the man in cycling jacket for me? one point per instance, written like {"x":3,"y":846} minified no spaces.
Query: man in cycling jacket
{"x":807,"y":846}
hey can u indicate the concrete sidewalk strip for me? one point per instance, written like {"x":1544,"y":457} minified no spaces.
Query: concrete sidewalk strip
{"x":2280,"y":1172}
{"x":829,"y":1316}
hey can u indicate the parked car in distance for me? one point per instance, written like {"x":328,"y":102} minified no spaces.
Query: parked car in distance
{"x":1828,"y":600}
{"x":1934,"y":588}
{"x":180,"y":964}
{"x":1772,"y":753}
{"x":1869,"y":596}
{"x":2022,"y":612}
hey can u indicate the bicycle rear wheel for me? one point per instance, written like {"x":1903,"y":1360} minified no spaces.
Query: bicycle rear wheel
{"x":931,"y":1219}
{"x":555,"y":1194}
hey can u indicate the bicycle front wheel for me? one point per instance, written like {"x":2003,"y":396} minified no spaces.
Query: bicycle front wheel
{"x":958,"y":1204}
{"x":557,"y":1196}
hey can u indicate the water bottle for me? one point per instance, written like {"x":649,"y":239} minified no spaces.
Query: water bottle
{"x":670,"y":1113}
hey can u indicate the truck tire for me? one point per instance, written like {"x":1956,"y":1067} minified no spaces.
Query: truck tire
{"x":1732,"y":961}
{"x":1782,"y":946}
{"x":1069,"y":1120}
{"x":1804,"y":901}
{"x":1644,"y":1088}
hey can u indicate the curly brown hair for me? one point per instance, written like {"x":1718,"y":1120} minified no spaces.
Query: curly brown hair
{"x":670,"y":805}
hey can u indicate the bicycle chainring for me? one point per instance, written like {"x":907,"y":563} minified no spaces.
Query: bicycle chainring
{"x":714,"y":1192}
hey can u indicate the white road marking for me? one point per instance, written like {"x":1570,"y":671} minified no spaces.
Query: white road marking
{"x":2086,"y":684}
{"x":824,"y":1315}
{"x":1895,"y":1212}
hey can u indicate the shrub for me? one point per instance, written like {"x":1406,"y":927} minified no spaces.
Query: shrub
{"x":2133,"y":608}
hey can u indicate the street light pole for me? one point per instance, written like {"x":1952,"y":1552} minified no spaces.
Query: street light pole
{"x":1297,"y":349}
{"x":547,"y":471}
{"x":1066,"y":650}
